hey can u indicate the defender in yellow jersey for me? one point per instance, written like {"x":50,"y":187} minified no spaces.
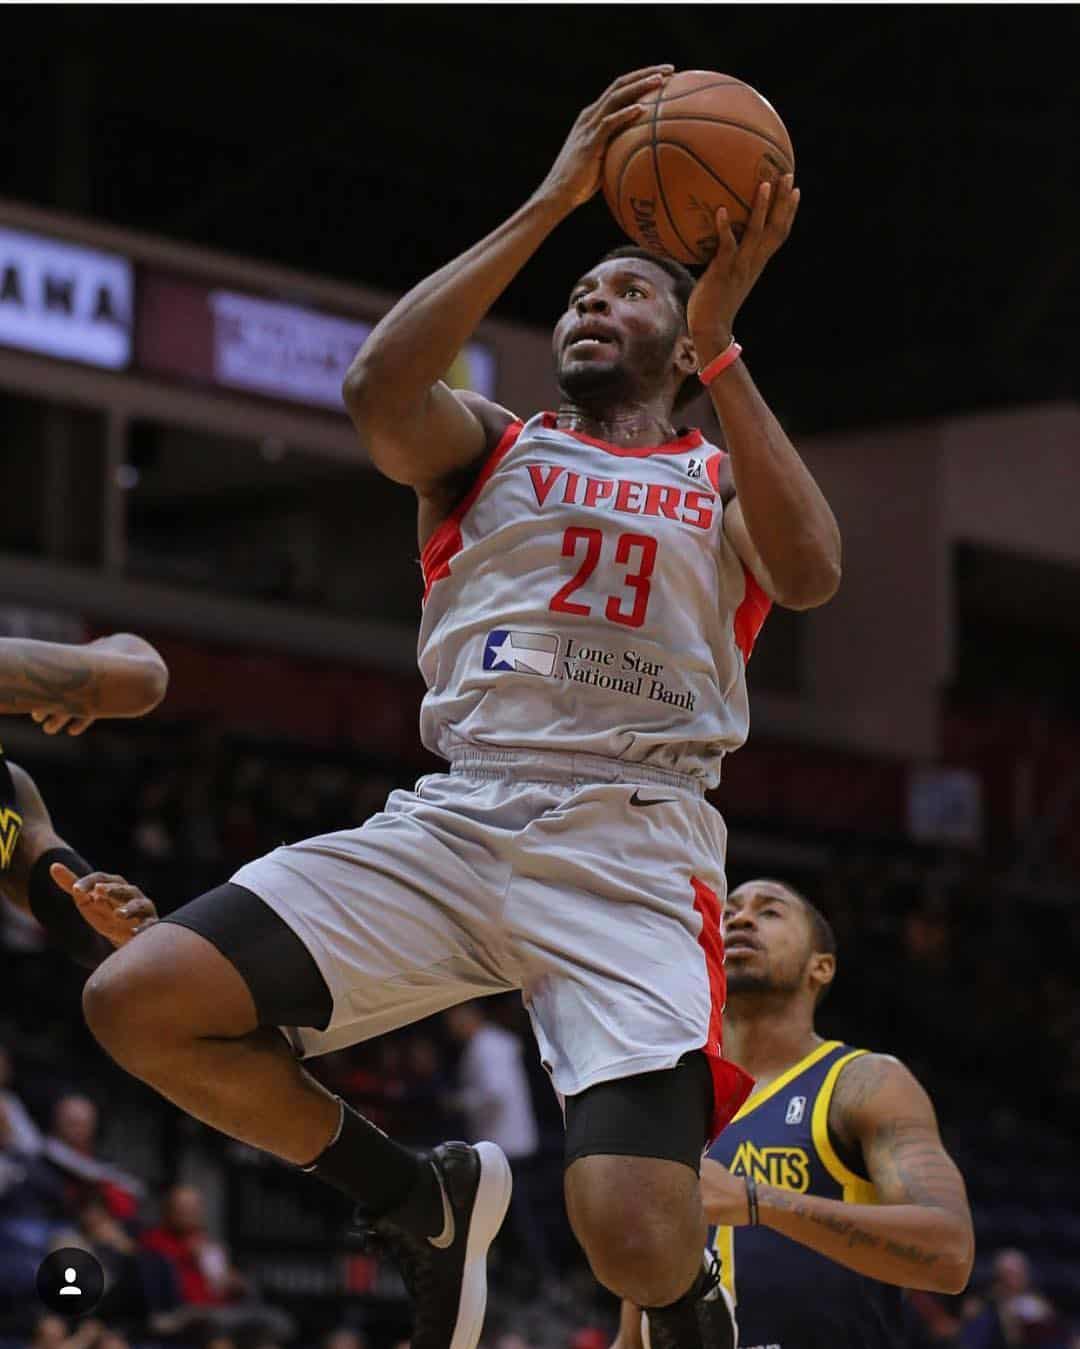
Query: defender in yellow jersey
{"x":65,"y":687}
{"x":86,"y":913}
{"x":830,"y":1191}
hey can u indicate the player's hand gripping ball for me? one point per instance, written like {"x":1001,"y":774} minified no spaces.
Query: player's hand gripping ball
{"x":736,"y":266}
{"x":705,"y":141}
{"x":575,"y":175}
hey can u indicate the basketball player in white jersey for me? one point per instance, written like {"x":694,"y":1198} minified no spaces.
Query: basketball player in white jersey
{"x":594,"y":581}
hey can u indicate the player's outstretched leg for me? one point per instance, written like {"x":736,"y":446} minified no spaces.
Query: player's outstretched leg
{"x":640,"y":1222}
{"x":176,"y":1013}
{"x":633,"y":1148}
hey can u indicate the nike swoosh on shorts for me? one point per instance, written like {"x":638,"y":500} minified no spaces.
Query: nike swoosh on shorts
{"x":636,"y":800}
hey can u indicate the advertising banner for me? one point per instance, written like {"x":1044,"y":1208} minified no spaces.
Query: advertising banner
{"x":257,"y":345}
{"x":65,"y":300}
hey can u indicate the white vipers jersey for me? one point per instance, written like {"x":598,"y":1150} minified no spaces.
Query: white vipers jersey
{"x":582,"y":597}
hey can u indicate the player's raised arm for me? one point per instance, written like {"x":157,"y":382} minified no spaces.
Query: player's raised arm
{"x":415,"y":429}
{"x":780,"y":524}
{"x":67,"y":687}
{"x":920,"y":1234}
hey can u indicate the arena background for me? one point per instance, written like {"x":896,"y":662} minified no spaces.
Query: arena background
{"x":248,"y":188}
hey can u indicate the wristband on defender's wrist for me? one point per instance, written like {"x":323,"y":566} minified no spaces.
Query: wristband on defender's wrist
{"x":752,"y":1201}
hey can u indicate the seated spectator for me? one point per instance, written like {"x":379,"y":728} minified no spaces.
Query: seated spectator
{"x":32,"y":1203}
{"x":23,"y":1135}
{"x":1016,"y":1312}
{"x":205,"y":1276}
{"x":213,"y":1294}
{"x":70,"y":1147}
{"x":138,"y":1283}
{"x":12,"y":1159}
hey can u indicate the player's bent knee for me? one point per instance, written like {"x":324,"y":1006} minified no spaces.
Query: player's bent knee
{"x":639,"y":1262}
{"x":166,"y":988}
{"x":108,"y":1000}
{"x":640,"y":1223}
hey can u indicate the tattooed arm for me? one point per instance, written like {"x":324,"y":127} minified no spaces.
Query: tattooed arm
{"x":920,"y":1234}
{"x":69,"y":687}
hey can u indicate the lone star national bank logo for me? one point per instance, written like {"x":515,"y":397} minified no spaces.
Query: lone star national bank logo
{"x":525,"y":652}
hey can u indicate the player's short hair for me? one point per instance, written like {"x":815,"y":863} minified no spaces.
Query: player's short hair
{"x":682,"y":284}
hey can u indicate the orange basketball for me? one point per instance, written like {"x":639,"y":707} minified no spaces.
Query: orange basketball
{"x":704,"y":141}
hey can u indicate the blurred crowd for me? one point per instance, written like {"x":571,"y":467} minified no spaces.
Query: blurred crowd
{"x":205,"y":1246}
{"x":165,"y":1275}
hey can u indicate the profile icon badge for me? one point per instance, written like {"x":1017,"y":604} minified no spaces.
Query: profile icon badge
{"x":70,"y":1281}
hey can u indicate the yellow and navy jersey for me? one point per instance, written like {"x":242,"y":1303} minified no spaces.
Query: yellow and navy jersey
{"x":10,"y":819}
{"x":788,"y":1296}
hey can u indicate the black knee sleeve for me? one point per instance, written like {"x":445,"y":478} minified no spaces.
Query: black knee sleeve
{"x":58,"y":914}
{"x":664,"y":1114}
{"x":285,"y":983}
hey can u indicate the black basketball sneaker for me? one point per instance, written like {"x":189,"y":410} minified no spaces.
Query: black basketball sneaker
{"x":446,"y":1274}
{"x":705,"y":1320}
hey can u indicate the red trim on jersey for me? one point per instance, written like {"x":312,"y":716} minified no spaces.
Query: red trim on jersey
{"x":731,"y":1085}
{"x":751,"y":614}
{"x":690,"y":441}
{"x":446,"y":540}
{"x":712,"y":468}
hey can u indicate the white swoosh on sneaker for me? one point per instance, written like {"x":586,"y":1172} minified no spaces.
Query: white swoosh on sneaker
{"x":449,"y":1231}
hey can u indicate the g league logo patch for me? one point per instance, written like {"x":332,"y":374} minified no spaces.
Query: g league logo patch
{"x":796,"y":1109}
{"x":694,"y":468}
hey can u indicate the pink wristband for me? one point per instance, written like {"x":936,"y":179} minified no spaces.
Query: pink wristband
{"x":719,"y":364}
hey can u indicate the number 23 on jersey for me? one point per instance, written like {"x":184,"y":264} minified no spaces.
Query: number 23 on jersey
{"x":636,"y":553}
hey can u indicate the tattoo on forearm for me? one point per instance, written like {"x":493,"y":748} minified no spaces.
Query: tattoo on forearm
{"x":855,"y":1236}
{"x":60,"y":682}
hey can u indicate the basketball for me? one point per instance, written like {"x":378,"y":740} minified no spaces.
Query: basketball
{"x":705,"y":141}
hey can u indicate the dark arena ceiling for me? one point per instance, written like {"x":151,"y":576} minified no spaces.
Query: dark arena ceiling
{"x":935,"y":266}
